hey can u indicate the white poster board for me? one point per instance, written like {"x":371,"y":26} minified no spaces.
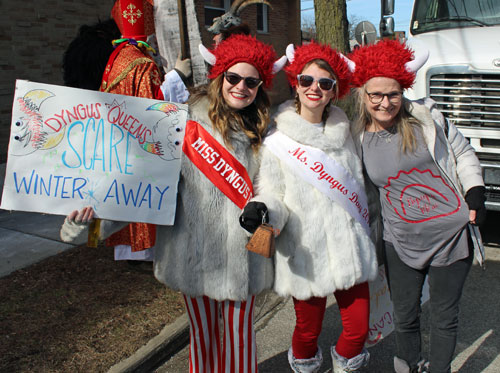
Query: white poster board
{"x":70,"y":148}
{"x":381,"y":308}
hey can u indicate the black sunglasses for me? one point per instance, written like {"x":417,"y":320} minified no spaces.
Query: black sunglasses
{"x":233,"y":79}
{"x":324,"y":83}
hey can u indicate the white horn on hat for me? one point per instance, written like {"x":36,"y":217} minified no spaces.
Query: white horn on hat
{"x":350,"y":64}
{"x":290,"y":52}
{"x":208,"y":56}
{"x":421,"y":53}
{"x":279,"y":64}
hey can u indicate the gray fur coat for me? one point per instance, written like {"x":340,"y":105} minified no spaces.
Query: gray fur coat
{"x":321,"y":247}
{"x":204,"y":253}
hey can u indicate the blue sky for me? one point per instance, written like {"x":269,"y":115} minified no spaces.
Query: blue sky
{"x":369,"y":10}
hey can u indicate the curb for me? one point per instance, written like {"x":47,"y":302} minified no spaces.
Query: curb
{"x":174,"y":337}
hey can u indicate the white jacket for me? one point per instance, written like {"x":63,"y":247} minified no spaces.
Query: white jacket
{"x":321,"y":247}
{"x":173,"y":88}
{"x":452,"y":154}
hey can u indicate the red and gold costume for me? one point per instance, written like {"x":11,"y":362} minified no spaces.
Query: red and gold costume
{"x":131,"y":71}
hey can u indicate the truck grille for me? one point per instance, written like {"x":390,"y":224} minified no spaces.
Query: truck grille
{"x":468,"y":99}
{"x":493,"y":193}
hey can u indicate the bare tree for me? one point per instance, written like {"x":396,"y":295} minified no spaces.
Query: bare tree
{"x":331,"y":23}
{"x":308,"y":28}
{"x":353,"y":22}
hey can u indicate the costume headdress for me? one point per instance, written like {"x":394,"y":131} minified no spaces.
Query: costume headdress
{"x":232,"y":17}
{"x":387,"y":58}
{"x":135,"y":18}
{"x":243,"y":48}
{"x":303,"y":54}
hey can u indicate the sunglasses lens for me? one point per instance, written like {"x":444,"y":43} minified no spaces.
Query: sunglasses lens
{"x":252,"y":82}
{"x":233,"y":79}
{"x":305,"y":80}
{"x":326,"y":84}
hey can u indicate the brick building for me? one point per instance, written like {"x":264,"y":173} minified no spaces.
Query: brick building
{"x":34,"y":35}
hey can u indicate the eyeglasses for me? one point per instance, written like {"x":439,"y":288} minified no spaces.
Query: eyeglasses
{"x":378,"y":97}
{"x":233,"y":79}
{"x":325,"y":84}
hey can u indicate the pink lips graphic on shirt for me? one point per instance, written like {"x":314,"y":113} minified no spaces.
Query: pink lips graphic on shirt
{"x":418,"y":202}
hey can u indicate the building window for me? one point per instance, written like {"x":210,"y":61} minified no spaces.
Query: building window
{"x":215,"y":8}
{"x":262,"y":25}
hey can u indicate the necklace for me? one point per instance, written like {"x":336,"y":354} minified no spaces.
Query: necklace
{"x":386,"y":133}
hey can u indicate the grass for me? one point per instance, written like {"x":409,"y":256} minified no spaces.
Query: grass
{"x":80,"y":311}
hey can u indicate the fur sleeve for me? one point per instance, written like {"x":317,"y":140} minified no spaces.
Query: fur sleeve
{"x":73,"y":232}
{"x":270,"y":189}
{"x":76,"y":232}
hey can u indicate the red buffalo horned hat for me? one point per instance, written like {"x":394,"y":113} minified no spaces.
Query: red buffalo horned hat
{"x":390,"y":59}
{"x":243,"y":48}
{"x":300,"y":56}
{"x":134,"y":18}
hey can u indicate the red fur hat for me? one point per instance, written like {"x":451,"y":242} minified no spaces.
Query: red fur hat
{"x":134,"y":18}
{"x":243,"y":48}
{"x":305,"y":53}
{"x":387,"y":58}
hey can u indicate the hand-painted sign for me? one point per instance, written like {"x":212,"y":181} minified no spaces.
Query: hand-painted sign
{"x":71,"y":148}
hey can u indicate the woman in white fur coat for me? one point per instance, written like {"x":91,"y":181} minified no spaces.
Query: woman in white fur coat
{"x":203,"y":254}
{"x":323,"y":249}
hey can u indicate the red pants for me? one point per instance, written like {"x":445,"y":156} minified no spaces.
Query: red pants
{"x":354,"y":305}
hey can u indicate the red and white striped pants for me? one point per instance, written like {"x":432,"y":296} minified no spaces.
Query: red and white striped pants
{"x":237,"y":353}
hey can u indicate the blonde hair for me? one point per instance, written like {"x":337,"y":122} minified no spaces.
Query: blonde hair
{"x":252,"y":120}
{"x":322,"y":64}
{"x":404,"y":123}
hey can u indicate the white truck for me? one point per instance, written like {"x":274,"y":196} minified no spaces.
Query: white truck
{"x":463,"y":72}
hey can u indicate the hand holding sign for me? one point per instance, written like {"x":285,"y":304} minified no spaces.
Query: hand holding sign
{"x":85,"y":215}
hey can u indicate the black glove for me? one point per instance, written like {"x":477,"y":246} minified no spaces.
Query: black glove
{"x":252,"y":215}
{"x":475,"y":198}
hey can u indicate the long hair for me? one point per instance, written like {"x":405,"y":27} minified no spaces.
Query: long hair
{"x":322,"y":64}
{"x":252,"y":120}
{"x":404,"y":123}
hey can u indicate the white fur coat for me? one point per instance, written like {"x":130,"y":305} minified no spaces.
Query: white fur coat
{"x":321,"y":247}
